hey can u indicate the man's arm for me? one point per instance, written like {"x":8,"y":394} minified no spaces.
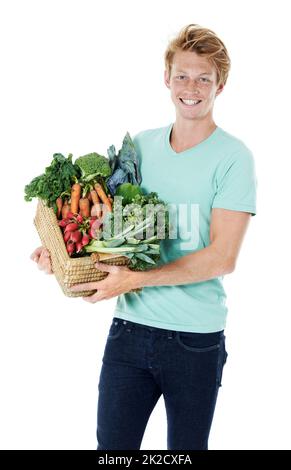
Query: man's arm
{"x":227,"y":230}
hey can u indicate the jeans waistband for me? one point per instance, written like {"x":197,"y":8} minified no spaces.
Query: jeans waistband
{"x":163,"y":331}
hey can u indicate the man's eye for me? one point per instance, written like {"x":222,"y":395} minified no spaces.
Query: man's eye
{"x":206,"y":79}
{"x":181,"y":76}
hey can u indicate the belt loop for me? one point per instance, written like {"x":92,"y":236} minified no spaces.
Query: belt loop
{"x":170,"y":334}
{"x":128,"y":325}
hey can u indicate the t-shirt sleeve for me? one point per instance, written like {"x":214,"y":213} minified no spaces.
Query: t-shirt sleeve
{"x":236,"y":183}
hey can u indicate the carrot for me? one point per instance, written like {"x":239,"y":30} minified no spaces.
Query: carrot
{"x":86,"y":192}
{"x":95,"y":198}
{"x":75,"y":197}
{"x":96,"y":209}
{"x":84,"y":205}
{"x":65,"y":209}
{"x":101,"y":193}
{"x":59,"y":203}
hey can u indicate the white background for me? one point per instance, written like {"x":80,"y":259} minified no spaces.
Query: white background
{"x":75,"y":76}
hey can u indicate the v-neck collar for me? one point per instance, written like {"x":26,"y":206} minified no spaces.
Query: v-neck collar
{"x":191,"y":149}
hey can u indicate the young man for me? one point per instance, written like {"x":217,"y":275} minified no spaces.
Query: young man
{"x":169,"y":338}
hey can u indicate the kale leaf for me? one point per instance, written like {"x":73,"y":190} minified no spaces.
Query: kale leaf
{"x":124,"y":166}
{"x":57,"y":179}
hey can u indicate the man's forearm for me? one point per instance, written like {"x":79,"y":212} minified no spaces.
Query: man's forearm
{"x":196,"y":267}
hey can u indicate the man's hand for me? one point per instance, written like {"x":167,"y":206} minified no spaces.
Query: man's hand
{"x":42,"y":257}
{"x":120,"y":279}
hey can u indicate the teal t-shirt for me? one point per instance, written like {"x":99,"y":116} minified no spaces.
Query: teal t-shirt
{"x":217,"y":172}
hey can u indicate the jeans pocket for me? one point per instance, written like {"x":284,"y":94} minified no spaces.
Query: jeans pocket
{"x":195,"y":343}
{"x":221,"y":362}
{"x":115,"y":329}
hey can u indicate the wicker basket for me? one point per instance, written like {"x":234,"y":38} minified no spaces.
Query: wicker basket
{"x":70,"y":271}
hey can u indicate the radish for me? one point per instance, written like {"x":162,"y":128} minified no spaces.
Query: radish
{"x":91,"y":233}
{"x":70,"y":247}
{"x":79,"y":247}
{"x":76,"y":236}
{"x":79,"y":218}
{"x":67,"y":236}
{"x":92,"y":220}
{"x":85,"y":239}
{"x":71,"y":227}
{"x":62,"y":223}
{"x":97,"y":224}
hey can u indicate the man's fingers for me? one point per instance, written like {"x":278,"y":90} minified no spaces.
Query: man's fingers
{"x":93,"y":298}
{"x":107,"y":267}
{"x":44,"y":262}
{"x":48,"y":268}
{"x":36,"y":254}
{"x":42,"y":257}
{"x":83,"y":286}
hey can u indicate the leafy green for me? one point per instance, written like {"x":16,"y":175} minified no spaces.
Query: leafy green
{"x":100,"y":246}
{"x":93,"y":165}
{"x":153,"y":209}
{"x":128,"y":191}
{"x":56,"y":180}
{"x":124,"y":166}
{"x":144,"y":257}
{"x":137,"y":264}
{"x":132,"y":240}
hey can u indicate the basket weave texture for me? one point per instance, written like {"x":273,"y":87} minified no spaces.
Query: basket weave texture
{"x":70,"y":271}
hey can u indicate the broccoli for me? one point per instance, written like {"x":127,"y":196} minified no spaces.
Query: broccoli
{"x":93,"y":165}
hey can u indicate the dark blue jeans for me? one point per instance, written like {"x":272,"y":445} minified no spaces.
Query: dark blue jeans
{"x":140,"y":364}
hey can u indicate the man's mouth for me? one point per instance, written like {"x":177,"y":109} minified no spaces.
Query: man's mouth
{"x":190,"y":102}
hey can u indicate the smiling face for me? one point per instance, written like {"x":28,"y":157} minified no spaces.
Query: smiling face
{"x":193,"y":86}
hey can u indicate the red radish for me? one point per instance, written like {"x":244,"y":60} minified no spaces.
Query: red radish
{"x":97,"y":223}
{"x":70,"y":215}
{"x":67,"y":236}
{"x":79,"y":246}
{"x":94,"y":233}
{"x":62,"y":223}
{"x":79,"y":218}
{"x":85,"y":239}
{"x":92,"y":220}
{"x":71,"y":227}
{"x":91,"y":233}
{"x":76,"y":236}
{"x":70,"y":247}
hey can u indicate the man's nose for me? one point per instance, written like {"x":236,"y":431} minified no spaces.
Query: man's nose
{"x":193,"y":87}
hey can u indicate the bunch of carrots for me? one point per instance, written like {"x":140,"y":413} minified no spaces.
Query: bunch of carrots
{"x":90,"y":205}
{"x":81,"y":217}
